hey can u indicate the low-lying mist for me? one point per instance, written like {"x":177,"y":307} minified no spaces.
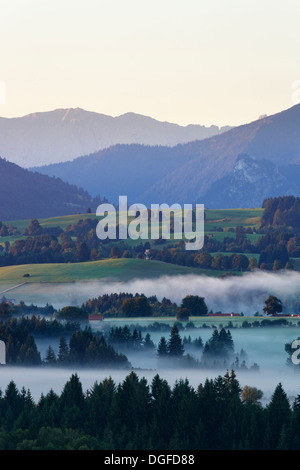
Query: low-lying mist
{"x":230,"y":294}
{"x":41,"y":380}
{"x":245,"y":293}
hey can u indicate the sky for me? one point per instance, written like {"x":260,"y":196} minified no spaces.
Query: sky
{"x":221,"y":62}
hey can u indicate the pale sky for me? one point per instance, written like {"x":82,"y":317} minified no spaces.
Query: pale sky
{"x":185,"y":61}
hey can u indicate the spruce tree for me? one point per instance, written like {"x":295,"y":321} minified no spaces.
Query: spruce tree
{"x":278,"y":413}
{"x":63,"y":352}
{"x":175,"y":346}
{"x":50,"y":358}
{"x":148,"y":343}
{"x":162,"y":350}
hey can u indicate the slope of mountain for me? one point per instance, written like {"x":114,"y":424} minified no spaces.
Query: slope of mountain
{"x":275,"y":138}
{"x":119,"y":170}
{"x":25,"y":194}
{"x":186,"y":173}
{"x":252,"y":181}
{"x":64,"y":134}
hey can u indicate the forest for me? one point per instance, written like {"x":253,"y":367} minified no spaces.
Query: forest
{"x":282,"y":212}
{"x":219,"y":414}
{"x":134,"y":414}
{"x":78,"y":344}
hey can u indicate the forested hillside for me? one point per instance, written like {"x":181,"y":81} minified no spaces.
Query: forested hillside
{"x":27,"y":194}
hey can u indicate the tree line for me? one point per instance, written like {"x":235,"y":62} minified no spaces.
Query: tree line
{"x":133,"y":415}
{"x":79,"y":243}
{"x":175,"y":351}
{"x":282,"y":212}
{"x":138,"y":305}
{"x":218,"y":351}
{"x":76,"y":345}
{"x":84,"y":347}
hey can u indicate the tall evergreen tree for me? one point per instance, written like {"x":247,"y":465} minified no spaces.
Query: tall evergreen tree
{"x":48,"y":410}
{"x":278,"y":415}
{"x":63,"y":351}
{"x":50,"y":358}
{"x":13,"y":404}
{"x":162,"y":419}
{"x":162,"y":350}
{"x":148,"y":343}
{"x":175,"y":346}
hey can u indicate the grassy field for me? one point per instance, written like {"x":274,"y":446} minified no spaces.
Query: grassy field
{"x":225,"y":218}
{"x":120,"y":269}
{"x":230,"y":218}
{"x":56,"y":283}
{"x":199,"y":322}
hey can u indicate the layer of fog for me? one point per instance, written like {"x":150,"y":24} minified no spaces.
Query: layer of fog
{"x":230,"y":294}
{"x":245,"y":293}
{"x":264,"y":346}
{"x":41,"y":380}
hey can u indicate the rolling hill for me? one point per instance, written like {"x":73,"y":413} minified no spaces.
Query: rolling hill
{"x":66,"y":283}
{"x":118,"y":270}
{"x":187,"y":172}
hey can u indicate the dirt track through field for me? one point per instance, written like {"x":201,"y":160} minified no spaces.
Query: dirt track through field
{"x":12,"y":288}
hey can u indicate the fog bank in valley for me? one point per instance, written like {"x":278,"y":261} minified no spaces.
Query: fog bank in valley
{"x":245,"y":293}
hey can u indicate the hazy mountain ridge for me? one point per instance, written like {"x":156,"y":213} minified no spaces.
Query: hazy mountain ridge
{"x":25,"y":194}
{"x":121,"y":169}
{"x":186,"y":172}
{"x":64,"y":134}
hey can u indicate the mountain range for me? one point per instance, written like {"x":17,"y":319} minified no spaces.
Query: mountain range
{"x":64,"y":134}
{"x":236,"y":168}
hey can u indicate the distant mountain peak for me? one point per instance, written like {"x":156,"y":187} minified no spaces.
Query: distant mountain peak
{"x":63,"y":134}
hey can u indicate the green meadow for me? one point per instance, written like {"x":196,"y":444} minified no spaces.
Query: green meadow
{"x":46,"y":280}
{"x":116,"y":269}
{"x":230,"y":218}
{"x":120,"y":269}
